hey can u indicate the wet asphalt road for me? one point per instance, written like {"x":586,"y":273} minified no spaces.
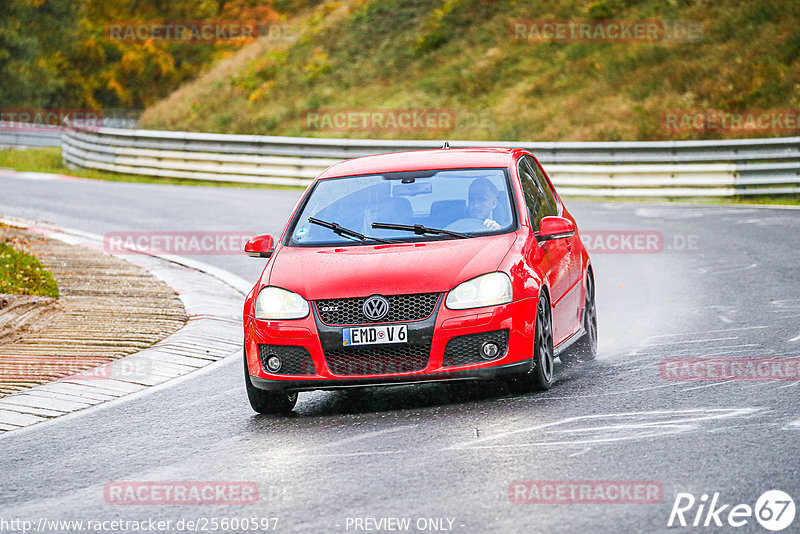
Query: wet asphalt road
{"x":444,"y":456}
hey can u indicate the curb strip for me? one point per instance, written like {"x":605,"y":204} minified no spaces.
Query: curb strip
{"x":212,"y":298}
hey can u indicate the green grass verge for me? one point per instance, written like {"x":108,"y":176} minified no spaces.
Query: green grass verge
{"x":22,"y":274}
{"x":49,"y":160}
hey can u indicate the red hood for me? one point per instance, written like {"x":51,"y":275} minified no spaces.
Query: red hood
{"x":360,"y":271}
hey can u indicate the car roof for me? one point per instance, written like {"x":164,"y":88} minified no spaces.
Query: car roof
{"x":421,"y":160}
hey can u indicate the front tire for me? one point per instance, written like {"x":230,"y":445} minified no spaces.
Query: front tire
{"x":541,"y":376}
{"x":267,"y":402}
{"x":543,"y":372}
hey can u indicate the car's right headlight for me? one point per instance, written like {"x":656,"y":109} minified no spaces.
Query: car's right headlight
{"x":486,"y":290}
{"x":277,"y":303}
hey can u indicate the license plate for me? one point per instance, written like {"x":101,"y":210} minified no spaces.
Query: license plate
{"x":374,"y":335}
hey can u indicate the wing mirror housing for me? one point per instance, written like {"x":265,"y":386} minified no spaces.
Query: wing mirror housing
{"x":555,"y":228}
{"x":260,"y":246}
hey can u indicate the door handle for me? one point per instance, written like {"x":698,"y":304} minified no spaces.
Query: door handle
{"x":569,"y":245}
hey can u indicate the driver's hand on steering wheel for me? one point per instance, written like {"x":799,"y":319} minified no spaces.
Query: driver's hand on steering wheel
{"x":491,"y":225}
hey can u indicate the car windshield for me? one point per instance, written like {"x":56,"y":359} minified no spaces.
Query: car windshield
{"x":462,"y":202}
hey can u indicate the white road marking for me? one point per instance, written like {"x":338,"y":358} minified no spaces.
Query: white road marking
{"x":704,"y":353}
{"x":795,"y":338}
{"x":709,"y":331}
{"x":715,"y":354}
{"x":758,"y":384}
{"x":690,"y":341}
{"x":25,"y":175}
{"x":709,"y":385}
{"x":645,"y":429}
{"x":366,"y":435}
{"x":335,"y":454}
{"x":726,"y":269}
{"x":792,"y":304}
{"x":792,"y":425}
{"x":644,"y":435}
{"x":623,"y":392}
{"x":587,"y":449}
{"x":750,"y":427}
{"x":793,"y":384}
{"x":724,"y":319}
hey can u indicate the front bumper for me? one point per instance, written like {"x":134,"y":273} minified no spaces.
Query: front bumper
{"x":487,"y":373}
{"x":318,"y":339}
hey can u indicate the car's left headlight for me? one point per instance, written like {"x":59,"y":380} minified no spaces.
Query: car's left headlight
{"x":277,"y":303}
{"x":485,"y":290}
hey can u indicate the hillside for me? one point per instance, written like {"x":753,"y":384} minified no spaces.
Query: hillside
{"x":460,"y":59}
{"x":66,"y":54}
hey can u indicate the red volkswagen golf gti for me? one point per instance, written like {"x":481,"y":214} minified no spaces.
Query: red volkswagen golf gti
{"x":450,"y":264}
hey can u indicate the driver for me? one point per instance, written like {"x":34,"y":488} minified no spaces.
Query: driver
{"x":482,"y":202}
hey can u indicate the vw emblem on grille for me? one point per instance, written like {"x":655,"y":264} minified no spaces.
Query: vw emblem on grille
{"x":375,"y":308}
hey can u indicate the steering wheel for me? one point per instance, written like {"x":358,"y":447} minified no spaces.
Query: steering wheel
{"x":467,"y":225}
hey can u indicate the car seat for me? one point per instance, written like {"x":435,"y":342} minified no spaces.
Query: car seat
{"x":445,"y":212}
{"x":394,"y":210}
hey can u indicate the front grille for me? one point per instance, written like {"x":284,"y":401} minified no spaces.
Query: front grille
{"x":378,"y":360}
{"x":401,"y":308}
{"x":294,"y":360}
{"x":463,"y":350}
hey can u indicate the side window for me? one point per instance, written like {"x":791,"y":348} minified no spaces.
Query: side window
{"x":545,"y":186}
{"x":535,"y":198}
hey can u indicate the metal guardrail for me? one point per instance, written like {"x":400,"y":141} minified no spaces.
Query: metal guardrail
{"x":29,"y":137}
{"x":663,"y":169}
{"x":15,"y":134}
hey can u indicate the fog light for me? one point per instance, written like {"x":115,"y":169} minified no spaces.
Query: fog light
{"x":489,"y":350}
{"x":273,"y":364}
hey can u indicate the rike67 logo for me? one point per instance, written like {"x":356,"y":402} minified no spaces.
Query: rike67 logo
{"x":774,"y":510}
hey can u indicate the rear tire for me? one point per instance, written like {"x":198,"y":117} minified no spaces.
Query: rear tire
{"x":585,"y":349}
{"x":267,"y":402}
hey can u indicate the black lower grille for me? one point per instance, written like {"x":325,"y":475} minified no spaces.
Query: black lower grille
{"x":463,"y":350}
{"x":378,"y":360}
{"x":401,"y":308}
{"x":294,"y":360}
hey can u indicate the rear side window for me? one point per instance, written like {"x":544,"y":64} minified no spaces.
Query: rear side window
{"x":545,"y":185}
{"x":536,"y":198}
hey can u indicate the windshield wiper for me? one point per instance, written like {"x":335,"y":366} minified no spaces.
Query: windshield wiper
{"x":342,"y":231}
{"x":419,"y":229}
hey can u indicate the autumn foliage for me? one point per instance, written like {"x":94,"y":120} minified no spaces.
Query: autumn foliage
{"x":58,"y":54}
